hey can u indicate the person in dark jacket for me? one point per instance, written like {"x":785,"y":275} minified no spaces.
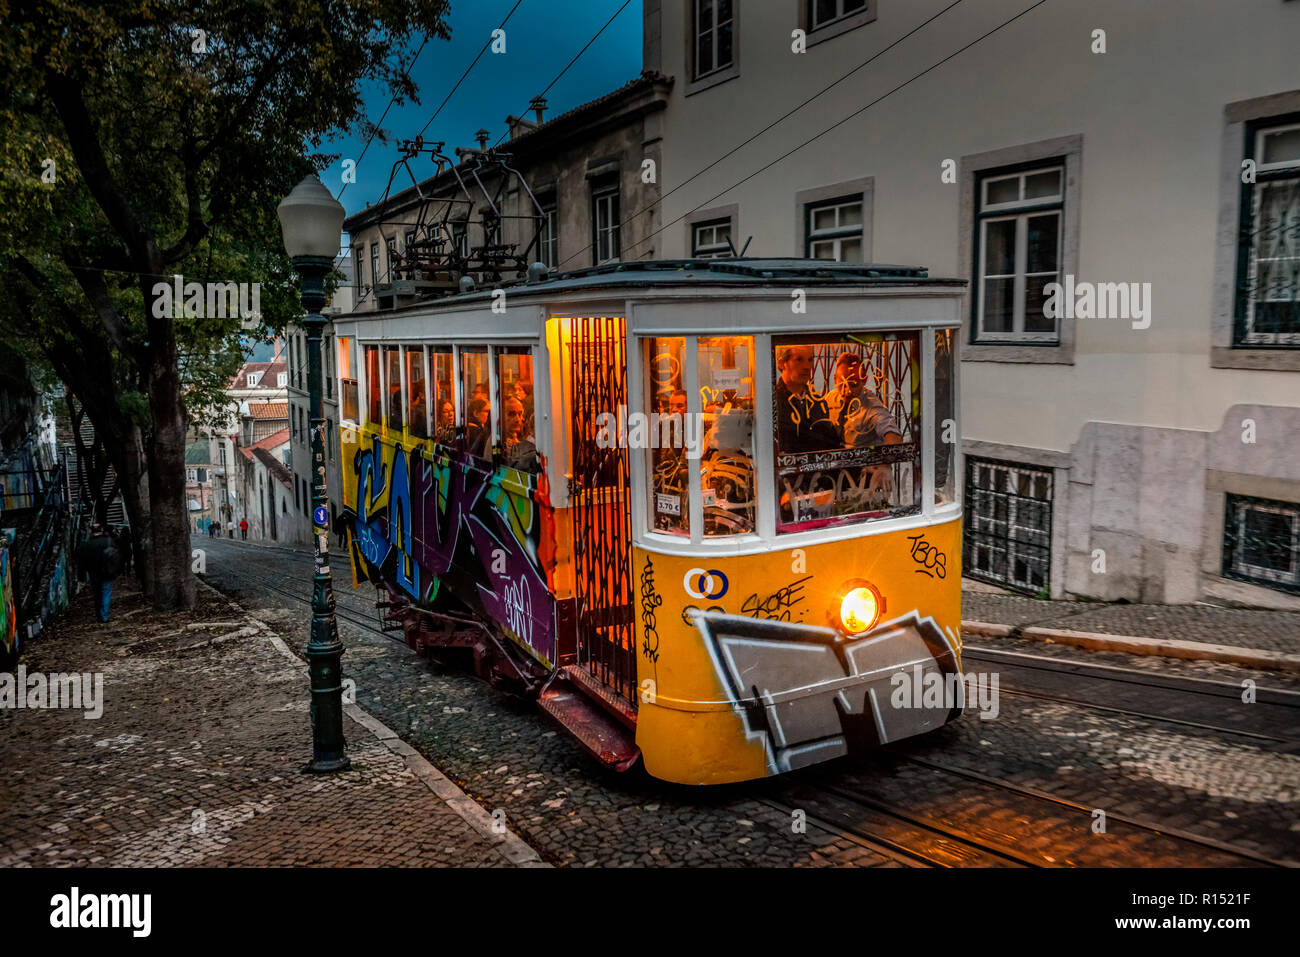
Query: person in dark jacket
{"x":101,"y":561}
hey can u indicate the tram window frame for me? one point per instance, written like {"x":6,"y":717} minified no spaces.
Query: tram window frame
{"x":700,"y":515}
{"x":819,"y":462}
{"x":395,"y":400}
{"x":349,"y":392}
{"x":467,"y":398}
{"x":374,"y":385}
{"x":443,"y":434}
{"x":528,"y":460}
{"x":417,"y":412}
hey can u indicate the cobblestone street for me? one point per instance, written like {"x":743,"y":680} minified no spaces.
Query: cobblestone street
{"x":198,"y":757}
{"x":1183,"y":775}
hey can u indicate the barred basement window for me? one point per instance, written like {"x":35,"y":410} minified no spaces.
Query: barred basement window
{"x":1008,"y":525}
{"x":1261,"y":542}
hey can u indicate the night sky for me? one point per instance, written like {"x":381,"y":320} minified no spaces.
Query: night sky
{"x":541,"y":38}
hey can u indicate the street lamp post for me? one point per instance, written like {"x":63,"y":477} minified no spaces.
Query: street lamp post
{"x":312,"y":221}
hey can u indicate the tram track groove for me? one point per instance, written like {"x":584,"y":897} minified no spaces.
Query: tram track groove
{"x":1167,"y":831}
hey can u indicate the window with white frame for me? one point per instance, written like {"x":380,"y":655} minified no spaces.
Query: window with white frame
{"x":605,"y":225}
{"x":391,"y":249}
{"x":711,"y":240}
{"x":1261,"y":542}
{"x":713,"y":29}
{"x":460,"y":237}
{"x":1018,"y":253}
{"x":1268,"y":257}
{"x":358,"y":257}
{"x":282,"y":380}
{"x":823,"y":12}
{"x":835,"y":229}
{"x":374,"y":265}
{"x":549,"y":248}
{"x":254,"y":378}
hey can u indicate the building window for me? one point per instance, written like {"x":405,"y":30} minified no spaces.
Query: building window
{"x":374,"y":265}
{"x":605,"y":225}
{"x":358,"y":257}
{"x":391,"y":249}
{"x":254,"y":378}
{"x":1018,"y":253}
{"x":713,"y":36}
{"x":1261,"y":542}
{"x":1007,"y":538}
{"x":282,"y":380}
{"x":549,"y":238}
{"x":835,"y":230}
{"x":822,"y":12}
{"x":1268,"y":254}
{"x":460,"y":238}
{"x":711,"y":240}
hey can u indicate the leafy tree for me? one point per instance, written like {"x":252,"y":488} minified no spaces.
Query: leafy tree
{"x":147,"y":138}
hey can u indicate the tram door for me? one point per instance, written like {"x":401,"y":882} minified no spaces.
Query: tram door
{"x":599,"y":496}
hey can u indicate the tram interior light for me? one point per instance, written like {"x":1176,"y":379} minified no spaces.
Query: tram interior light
{"x":860,"y":607}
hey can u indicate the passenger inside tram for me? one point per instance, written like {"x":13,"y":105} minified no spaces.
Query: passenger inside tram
{"x":520,"y":451}
{"x":477,"y":431}
{"x":445,"y":427}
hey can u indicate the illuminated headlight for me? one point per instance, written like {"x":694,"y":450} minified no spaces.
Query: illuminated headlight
{"x":860,"y":607}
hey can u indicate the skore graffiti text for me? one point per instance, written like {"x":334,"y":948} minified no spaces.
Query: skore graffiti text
{"x":920,"y":689}
{"x":1103,"y":300}
{"x":655,"y":430}
{"x":84,"y":692}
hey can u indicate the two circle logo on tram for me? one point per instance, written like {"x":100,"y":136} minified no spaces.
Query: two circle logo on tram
{"x":706,"y":585}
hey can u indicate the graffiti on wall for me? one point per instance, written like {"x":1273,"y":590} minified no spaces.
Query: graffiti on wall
{"x":8,"y":611}
{"x":427,"y":521}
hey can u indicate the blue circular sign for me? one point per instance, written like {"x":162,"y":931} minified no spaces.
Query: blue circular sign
{"x":322,"y":515}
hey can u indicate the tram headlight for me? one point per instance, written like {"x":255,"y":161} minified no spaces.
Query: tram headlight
{"x":861,"y":606}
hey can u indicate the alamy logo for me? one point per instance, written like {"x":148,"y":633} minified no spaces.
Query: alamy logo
{"x":1103,"y":300}
{"x":935,"y":689}
{"x":103,"y":910}
{"x":210,"y":300}
{"x":656,"y":430}
{"x":83,"y":692}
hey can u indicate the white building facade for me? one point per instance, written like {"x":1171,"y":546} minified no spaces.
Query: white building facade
{"x":1137,"y":435}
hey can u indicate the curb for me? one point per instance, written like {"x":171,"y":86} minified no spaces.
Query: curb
{"x":1133,"y":645}
{"x":508,"y":844}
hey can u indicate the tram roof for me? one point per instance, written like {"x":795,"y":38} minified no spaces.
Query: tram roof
{"x":665,"y":273}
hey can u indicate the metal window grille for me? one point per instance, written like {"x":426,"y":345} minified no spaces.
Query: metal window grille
{"x":1268,"y":244}
{"x":599,"y":492}
{"x":1261,"y":542}
{"x":1008,"y":525}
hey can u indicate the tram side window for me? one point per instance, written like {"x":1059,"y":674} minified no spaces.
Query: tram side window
{"x":518,"y":438}
{"x":847,"y":421}
{"x":348,"y":373}
{"x":478,"y":403}
{"x":417,"y":395}
{"x":393,"y":384}
{"x":726,"y":376}
{"x":669,"y":472}
{"x":374,"y":392}
{"x":945,"y":417}
{"x":444,"y":400}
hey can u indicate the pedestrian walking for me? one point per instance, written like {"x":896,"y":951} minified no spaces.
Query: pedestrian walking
{"x":100,"y":560}
{"x":230,"y":528}
{"x":243,"y":529}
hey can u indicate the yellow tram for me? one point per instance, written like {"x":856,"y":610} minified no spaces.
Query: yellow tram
{"x":706,"y":511}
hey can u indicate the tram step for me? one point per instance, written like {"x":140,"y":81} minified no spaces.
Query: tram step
{"x":595,"y":729}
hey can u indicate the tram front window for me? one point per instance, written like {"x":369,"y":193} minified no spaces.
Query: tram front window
{"x":669,"y":471}
{"x":726,"y":376}
{"x":847,"y":428}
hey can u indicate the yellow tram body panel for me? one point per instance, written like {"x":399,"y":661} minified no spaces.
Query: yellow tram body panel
{"x":693,"y":727}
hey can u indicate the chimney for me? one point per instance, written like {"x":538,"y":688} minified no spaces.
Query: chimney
{"x":538,"y":103}
{"x":482,"y":137}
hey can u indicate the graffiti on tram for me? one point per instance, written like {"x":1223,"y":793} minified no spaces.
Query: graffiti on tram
{"x":427,"y":521}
